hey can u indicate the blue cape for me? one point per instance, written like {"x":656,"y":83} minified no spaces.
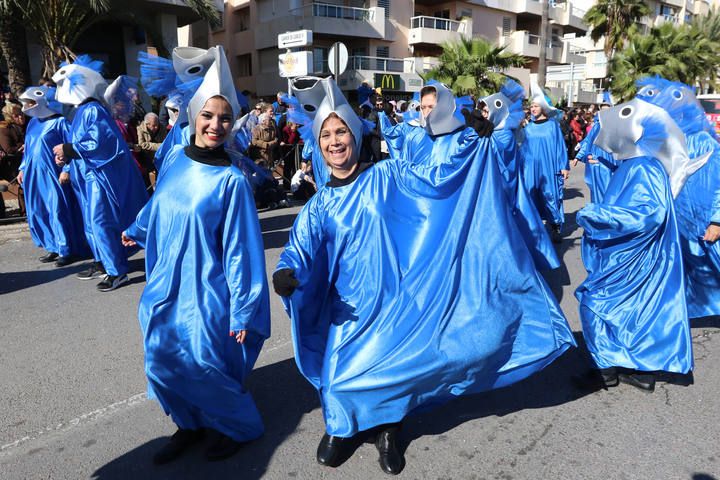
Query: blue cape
{"x":114,"y":190}
{"x":697,"y":205}
{"x":632,"y":304}
{"x":597,"y":175}
{"x":411,"y":290}
{"x":544,"y":154}
{"x":205,"y":268}
{"x":53,"y":211}
{"x":179,"y":134}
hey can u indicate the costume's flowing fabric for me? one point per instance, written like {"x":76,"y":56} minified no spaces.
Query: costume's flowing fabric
{"x":597,"y":175}
{"x":205,"y":268}
{"x":411,"y":291}
{"x":179,"y":134}
{"x":632,"y":304}
{"x":697,"y":205}
{"x":544,"y":155}
{"x":53,"y":211}
{"x":114,"y":190}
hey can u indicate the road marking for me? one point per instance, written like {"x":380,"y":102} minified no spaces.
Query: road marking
{"x":87,"y":417}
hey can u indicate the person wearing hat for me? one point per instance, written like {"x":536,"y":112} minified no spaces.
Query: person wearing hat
{"x":205,"y":310}
{"x":400,"y":297}
{"x":545,"y":163}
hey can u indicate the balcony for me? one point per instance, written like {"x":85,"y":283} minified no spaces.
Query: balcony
{"x":324,"y":19}
{"x":660,"y":19}
{"x":523,"y":43}
{"x":675,"y":3}
{"x":436,"y":31}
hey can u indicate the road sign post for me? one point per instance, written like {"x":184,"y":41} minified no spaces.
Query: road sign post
{"x":338,"y":59}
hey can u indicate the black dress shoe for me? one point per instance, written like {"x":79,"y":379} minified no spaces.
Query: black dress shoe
{"x":223,"y":448}
{"x":333,"y":451}
{"x":48,"y":257}
{"x":609,"y":377}
{"x":64,"y":261}
{"x":642,"y":380}
{"x":179,"y":442}
{"x":391,"y":460}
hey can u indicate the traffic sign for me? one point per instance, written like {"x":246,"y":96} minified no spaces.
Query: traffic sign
{"x":338,"y":58}
{"x":298,"y":38}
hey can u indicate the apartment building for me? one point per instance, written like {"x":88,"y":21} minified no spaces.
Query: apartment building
{"x":394,"y":40}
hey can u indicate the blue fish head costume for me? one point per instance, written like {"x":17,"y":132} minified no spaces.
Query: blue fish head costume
{"x":335,"y":102}
{"x":505,"y":108}
{"x":680,"y":102}
{"x":80,"y":80}
{"x":121,"y":95}
{"x":638,"y":128}
{"x":445,"y":117}
{"x":39,"y":102}
{"x":538,"y":96}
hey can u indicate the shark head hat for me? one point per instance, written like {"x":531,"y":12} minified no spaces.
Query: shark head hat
{"x":80,"y":80}
{"x":335,"y":102}
{"x":445,"y":116}
{"x":39,"y":102}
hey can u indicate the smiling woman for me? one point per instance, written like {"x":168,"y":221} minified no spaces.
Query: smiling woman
{"x":214,"y":123}
{"x":337,"y":146}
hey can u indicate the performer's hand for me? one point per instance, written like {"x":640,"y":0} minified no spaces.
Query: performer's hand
{"x":712,"y":234}
{"x":20,"y":177}
{"x":284,"y":282}
{"x":240,"y":337}
{"x":21,"y":149}
{"x":565,"y":174}
{"x":590,"y":159}
{"x":64,"y":178}
{"x":127,"y":241}
{"x":574,"y":162}
{"x":58,"y":150}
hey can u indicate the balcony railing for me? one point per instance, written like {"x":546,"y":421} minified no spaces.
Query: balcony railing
{"x":359,"y":62}
{"x":328,"y":10}
{"x":535,"y":40}
{"x":665,"y":18}
{"x":577,"y":12}
{"x":437,"y":23}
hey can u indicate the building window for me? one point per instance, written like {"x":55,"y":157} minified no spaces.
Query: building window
{"x":386,"y":5}
{"x":244,"y":65}
{"x":506,"y":26}
{"x":320,"y":60}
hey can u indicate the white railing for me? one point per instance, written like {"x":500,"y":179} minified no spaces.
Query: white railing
{"x":361,"y":62}
{"x":328,"y":10}
{"x":556,"y":42}
{"x":437,"y":23}
{"x":665,"y":18}
{"x":577,"y":12}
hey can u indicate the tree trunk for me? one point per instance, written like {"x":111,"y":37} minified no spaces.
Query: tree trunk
{"x":542,"y":61}
{"x":14,"y":50}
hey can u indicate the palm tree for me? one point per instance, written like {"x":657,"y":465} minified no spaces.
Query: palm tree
{"x":13,"y":47}
{"x":612,"y":19}
{"x":473,"y":66}
{"x":681,"y":53}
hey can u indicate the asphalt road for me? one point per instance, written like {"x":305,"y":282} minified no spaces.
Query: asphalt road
{"x":73,"y":405}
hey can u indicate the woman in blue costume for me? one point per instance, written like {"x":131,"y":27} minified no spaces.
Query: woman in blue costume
{"x":599,"y":164}
{"x":53,"y":211}
{"x":114,"y":189}
{"x":205,"y":311}
{"x":545,"y":164}
{"x":632,"y":304}
{"x":400,"y":295}
{"x":698,"y":204}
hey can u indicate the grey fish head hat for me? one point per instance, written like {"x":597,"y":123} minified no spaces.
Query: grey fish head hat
{"x":191,"y":63}
{"x":218,"y":82}
{"x":335,"y":102}
{"x":444,"y":117}
{"x":310,"y":93}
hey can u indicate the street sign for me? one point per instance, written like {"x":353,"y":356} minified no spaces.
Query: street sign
{"x":295,"y":64}
{"x":298,"y":38}
{"x":338,"y":59}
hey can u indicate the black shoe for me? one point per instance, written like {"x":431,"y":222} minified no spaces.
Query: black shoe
{"x":642,"y":380}
{"x":609,"y":377}
{"x":64,"y":261}
{"x":179,"y":442}
{"x":391,"y":460}
{"x":332,"y":451}
{"x":223,"y":448}
{"x":48,"y":257}
{"x":95,"y":270}
{"x":556,"y":234}
{"x":111,"y":282}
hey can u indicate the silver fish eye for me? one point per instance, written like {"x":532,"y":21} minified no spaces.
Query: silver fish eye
{"x":194,"y":69}
{"x":498,"y":103}
{"x":62,"y":72}
{"x":626,"y":112}
{"x":38,"y":93}
{"x":309,"y":108}
{"x":677,"y":94}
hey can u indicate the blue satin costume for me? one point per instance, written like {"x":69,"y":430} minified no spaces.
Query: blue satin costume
{"x":413,"y":144}
{"x":179,"y":134}
{"x":205,"y":268}
{"x":114,"y":189}
{"x":544,"y":155}
{"x":697,"y":205}
{"x":411,"y":290}
{"x":632,"y":304}
{"x":53,"y":211}
{"x":597,"y":175}
{"x":311,"y":153}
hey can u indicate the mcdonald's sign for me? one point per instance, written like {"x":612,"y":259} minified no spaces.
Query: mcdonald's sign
{"x":387,"y":81}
